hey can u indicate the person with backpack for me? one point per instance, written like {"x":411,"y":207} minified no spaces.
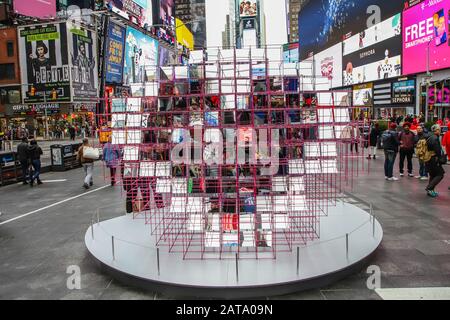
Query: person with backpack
{"x":34,"y":156}
{"x":421,"y":139}
{"x":390,"y":144}
{"x":407,"y":142}
{"x":434,"y":164}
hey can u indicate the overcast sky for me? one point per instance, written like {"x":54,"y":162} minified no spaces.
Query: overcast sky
{"x":216,"y":11}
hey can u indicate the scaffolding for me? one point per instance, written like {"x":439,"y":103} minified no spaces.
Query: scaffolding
{"x":234,"y":153}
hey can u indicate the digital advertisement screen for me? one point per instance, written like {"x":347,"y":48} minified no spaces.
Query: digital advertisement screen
{"x":324,"y":23}
{"x":290,"y":53}
{"x":248,"y":8}
{"x":362,"y":95}
{"x":403,"y":91}
{"x":115,"y":48}
{"x":141,"y":51}
{"x":374,"y":53}
{"x":166,"y":12}
{"x":426,"y":36}
{"x":328,"y":64}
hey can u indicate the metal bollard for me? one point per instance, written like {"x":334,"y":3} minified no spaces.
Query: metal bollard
{"x":92,"y":228}
{"x":371,"y":211}
{"x":373,"y":227}
{"x":346,"y":244}
{"x":157,"y":260}
{"x":112,"y":245}
{"x":237,"y":268}
{"x":298,"y":259}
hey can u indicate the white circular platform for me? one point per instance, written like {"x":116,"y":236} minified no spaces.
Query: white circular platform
{"x":320,"y":262}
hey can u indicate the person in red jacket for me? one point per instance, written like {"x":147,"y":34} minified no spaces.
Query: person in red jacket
{"x":446,"y":142}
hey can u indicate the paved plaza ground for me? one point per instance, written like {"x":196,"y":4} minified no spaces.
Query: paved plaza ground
{"x":48,"y":236}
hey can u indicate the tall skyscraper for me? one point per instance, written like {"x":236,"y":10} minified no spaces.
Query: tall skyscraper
{"x":193,"y":14}
{"x":293,"y":7}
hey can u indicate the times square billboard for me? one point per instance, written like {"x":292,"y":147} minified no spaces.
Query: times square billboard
{"x":325,"y":23}
{"x":426,"y":39}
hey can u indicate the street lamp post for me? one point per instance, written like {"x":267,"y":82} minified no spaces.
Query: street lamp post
{"x":427,"y":79}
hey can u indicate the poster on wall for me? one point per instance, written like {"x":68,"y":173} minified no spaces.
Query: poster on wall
{"x":248,"y":8}
{"x":115,"y":48}
{"x":324,"y":23}
{"x":35,"y":8}
{"x":83,"y":59}
{"x":374,"y":53}
{"x":328,"y":65}
{"x":362,"y":95}
{"x":44,"y":63}
{"x":141,"y":52}
{"x":426,"y":29}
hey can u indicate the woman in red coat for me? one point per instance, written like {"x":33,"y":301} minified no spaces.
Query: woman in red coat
{"x":446,"y":142}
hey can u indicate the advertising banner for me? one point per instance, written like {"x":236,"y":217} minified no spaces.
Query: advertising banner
{"x":249,"y":24}
{"x":362,"y":95}
{"x":115,"y":49}
{"x":403,"y":92}
{"x":141,"y":51}
{"x":44,"y":63}
{"x":84,"y":67}
{"x":374,"y":53}
{"x":290,"y":53}
{"x":166,"y":57}
{"x":248,"y":8}
{"x":137,"y":11}
{"x":426,"y":38}
{"x":328,"y":64}
{"x":35,"y":8}
{"x":166,"y":12}
{"x":324,"y":23}
{"x":184,"y":36}
{"x":198,"y":24}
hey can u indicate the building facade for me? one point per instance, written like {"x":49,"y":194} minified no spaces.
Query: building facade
{"x":193,"y":14}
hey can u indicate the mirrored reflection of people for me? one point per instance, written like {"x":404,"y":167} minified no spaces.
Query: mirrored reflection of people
{"x":84,"y":65}
{"x":41,"y":60}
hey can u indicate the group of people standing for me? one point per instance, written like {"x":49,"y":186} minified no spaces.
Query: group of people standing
{"x":29,"y":155}
{"x":404,"y":142}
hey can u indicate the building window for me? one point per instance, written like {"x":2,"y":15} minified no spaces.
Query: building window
{"x":10,"y":48}
{"x":7,"y":71}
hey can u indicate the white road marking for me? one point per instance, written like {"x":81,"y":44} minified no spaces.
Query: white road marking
{"x":437,"y":293}
{"x":49,"y":181}
{"x":52,"y":205}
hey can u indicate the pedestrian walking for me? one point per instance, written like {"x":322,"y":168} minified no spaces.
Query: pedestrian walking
{"x":374,"y":135}
{"x":22,"y":155}
{"x":390,"y":144}
{"x":34,"y":156}
{"x":407,"y":141}
{"x":86,"y":158}
{"x":434,"y":165}
{"x":111,"y":156}
{"x":421,"y":135}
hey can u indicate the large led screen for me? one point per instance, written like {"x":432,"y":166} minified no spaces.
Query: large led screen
{"x":248,"y":8}
{"x":426,"y":37}
{"x":374,"y":53}
{"x":324,"y":23}
{"x":35,"y":8}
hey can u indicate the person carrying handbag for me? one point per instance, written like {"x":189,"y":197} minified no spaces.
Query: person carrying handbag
{"x":86,"y":155}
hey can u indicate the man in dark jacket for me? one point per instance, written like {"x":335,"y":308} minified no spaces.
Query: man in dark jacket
{"x":22,"y":155}
{"x":375,"y":134}
{"x":390,"y":145}
{"x":34,"y":156}
{"x":434,"y":167}
{"x":407,"y":141}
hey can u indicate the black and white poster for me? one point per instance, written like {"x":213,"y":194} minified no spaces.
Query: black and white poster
{"x":44,"y":63}
{"x":83,"y":60}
